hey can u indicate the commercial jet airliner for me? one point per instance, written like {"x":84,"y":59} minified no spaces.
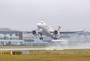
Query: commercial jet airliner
{"x":44,"y":29}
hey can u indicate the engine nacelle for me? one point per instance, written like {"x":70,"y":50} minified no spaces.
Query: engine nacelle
{"x":34,"y":32}
{"x":55,"y":32}
{"x":56,"y":35}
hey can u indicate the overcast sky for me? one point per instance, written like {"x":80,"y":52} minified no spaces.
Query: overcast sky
{"x":24,"y":14}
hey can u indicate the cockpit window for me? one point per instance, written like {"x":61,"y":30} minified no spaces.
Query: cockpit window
{"x":41,"y":22}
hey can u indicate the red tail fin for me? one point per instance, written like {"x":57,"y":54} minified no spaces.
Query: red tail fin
{"x":59,"y":27}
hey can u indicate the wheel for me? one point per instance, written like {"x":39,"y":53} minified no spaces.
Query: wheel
{"x":55,"y":38}
{"x":41,"y":38}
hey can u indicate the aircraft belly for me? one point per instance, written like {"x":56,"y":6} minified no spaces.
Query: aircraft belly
{"x":47,"y":33}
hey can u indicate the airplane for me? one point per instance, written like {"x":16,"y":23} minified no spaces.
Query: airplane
{"x":44,"y":29}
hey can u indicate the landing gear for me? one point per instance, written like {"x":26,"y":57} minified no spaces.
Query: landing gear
{"x":41,"y":38}
{"x":55,"y":38}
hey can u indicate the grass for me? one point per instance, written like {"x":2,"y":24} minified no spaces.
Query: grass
{"x":45,"y":57}
{"x":50,"y":55}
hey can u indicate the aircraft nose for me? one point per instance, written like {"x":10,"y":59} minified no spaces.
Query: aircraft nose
{"x":38,"y":24}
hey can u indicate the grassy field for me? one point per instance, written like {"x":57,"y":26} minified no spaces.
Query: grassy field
{"x":50,"y":55}
{"x":45,"y":57}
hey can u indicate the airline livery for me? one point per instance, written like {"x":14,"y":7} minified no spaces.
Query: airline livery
{"x":44,"y":29}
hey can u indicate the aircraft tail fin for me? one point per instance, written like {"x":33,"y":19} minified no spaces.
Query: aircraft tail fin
{"x":59,"y":28}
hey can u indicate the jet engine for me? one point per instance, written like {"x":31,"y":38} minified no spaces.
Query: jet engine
{"x":55,"y":32}
{"x":56,"y":35}
{"x":34,"y":32}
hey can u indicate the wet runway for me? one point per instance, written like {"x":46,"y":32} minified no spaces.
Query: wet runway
{"x":22,"y":49}
{"x":55,"y":46}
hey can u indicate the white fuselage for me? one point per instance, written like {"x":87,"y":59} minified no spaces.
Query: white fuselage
{"x":46,"y":30}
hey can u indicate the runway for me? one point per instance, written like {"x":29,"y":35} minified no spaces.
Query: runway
{"x":54,"y":47}
{"x":47,"y":48}
{"x":1,"y":49}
